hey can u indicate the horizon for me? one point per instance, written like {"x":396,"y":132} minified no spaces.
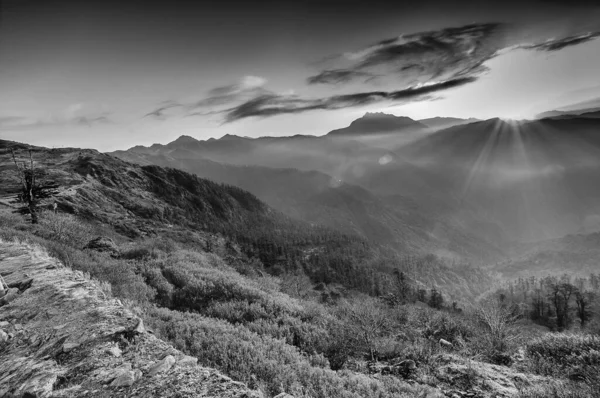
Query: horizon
{"x":112,"y":75}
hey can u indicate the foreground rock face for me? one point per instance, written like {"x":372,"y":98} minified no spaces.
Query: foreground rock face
{"x":62,"y":337}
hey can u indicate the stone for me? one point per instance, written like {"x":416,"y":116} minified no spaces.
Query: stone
{"x":11,"y":295}
{"x":4,"y":324}
{"x":139,"y":328}
{"x":68,"y":347}
{"x":103,"y":244}
{"x":114,"y":351}
{"x":126,"y":378}
{"x":283,"y":395}
{"x":407,"y":364}
{"x":445,"y":343}
{"x":162,"y":366}
{"x":187,"y":361}
{"x":22,"y":285}
{"x":137,"y":374}
{"x":3,"y":336}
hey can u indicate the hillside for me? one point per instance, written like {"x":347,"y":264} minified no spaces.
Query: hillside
{"x":578,"y":253}
{"x":61,"y":336}
{"x":279,"y":305}
{"x":535,"y":179}
{"x":321,"y":199}
{"x":151,"y":201}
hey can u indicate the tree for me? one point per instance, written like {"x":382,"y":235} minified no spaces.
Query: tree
{"x":582,"y":302}
{"x":436,"y":300}
{"x":560,"y":295}
{"x":497,"y":320}
{"x":33,"y":188}
{"x":296,"y":284}
{"x":367,"y":320}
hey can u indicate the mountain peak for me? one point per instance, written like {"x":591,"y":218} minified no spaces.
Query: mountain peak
{"x":383,"y":116}
{"x":185,"y":139}
{"x":379,"y":122}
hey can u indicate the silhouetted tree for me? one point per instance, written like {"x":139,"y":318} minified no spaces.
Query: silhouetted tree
{"x":582,"y":302}
{"x":33,"y":188}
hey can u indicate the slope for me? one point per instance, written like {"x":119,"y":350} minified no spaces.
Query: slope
{"x":66,"y":339}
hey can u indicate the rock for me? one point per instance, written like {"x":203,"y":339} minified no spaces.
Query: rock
{"x":162,"y":366}
{"x":22,"y":285}
{"x":114,"y":351}
{"x":125,"y":379}
{"x":283,"y":395}
{"x":4,"y":324}
{"x":139,"y":328}
{"x":68,"y":347}
{"x":3,"y":336}
{"x":407,"y":364}
{"x":103,"y":244}
{"x":11,"y":295}
{"x":187,"y":361}
{"x":445,"y":343}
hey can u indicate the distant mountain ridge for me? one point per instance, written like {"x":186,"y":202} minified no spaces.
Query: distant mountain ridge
{"x":446,"y":122}
{"x":379,"y":122}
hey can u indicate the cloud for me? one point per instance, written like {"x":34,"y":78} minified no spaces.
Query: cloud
{"x":91,"y":120}
{"x":72,"y":115}
{"x":16,"y":121}
{"x":559,"y":44}
{"x":411,"y":66}
{"x":248,"y":87}
{"x":272,"y":104}
{"x":420,"y":57}
{"x":161,"y":112}
{"x":337,"y":76}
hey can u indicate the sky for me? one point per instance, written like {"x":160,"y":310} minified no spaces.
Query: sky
{"x":113,"y":74}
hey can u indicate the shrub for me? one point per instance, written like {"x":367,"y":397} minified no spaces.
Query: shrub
{"x":64,"y":228}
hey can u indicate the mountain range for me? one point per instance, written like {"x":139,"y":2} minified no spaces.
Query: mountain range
{"x":469,"y":191}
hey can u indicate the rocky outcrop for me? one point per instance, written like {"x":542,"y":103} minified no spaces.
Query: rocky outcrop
{"x":103,"y":244}
{"x":62,"y":337}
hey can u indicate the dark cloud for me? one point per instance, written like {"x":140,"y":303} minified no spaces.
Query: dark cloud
{"x":161,"y":111}
{"x":422,"y":57}
{"x":272,"y":104}
{"x":248,"y":87}
{"x":416,"y":64}
{"x":91,"y":120}
{"x":559,"y":44}
{"x":337,"y":76}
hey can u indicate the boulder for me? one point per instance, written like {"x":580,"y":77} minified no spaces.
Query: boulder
{"x":103,"y":244}
{"x":114,"y":351}
{"x":162,"y":366}
{"x":445,"y":343}
{"x":187,"y":361}
{"x":139,"y":328}
{"x":11,"y":295}
{"x":3,"y":336}
{"x":124,"y":379}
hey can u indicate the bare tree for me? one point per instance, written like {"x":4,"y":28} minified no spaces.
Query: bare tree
{"x":32,"y":188}
{"x":368,"y":320}
{"x":498,"y":322}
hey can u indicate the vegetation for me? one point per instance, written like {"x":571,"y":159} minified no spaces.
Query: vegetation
{"x":236,"y":317}
{"x":288,"y":306}
{"x":559,"y":303}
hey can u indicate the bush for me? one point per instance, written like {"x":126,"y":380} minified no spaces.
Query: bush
{"x":63,"y":228}
{"x":249,"y":357}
